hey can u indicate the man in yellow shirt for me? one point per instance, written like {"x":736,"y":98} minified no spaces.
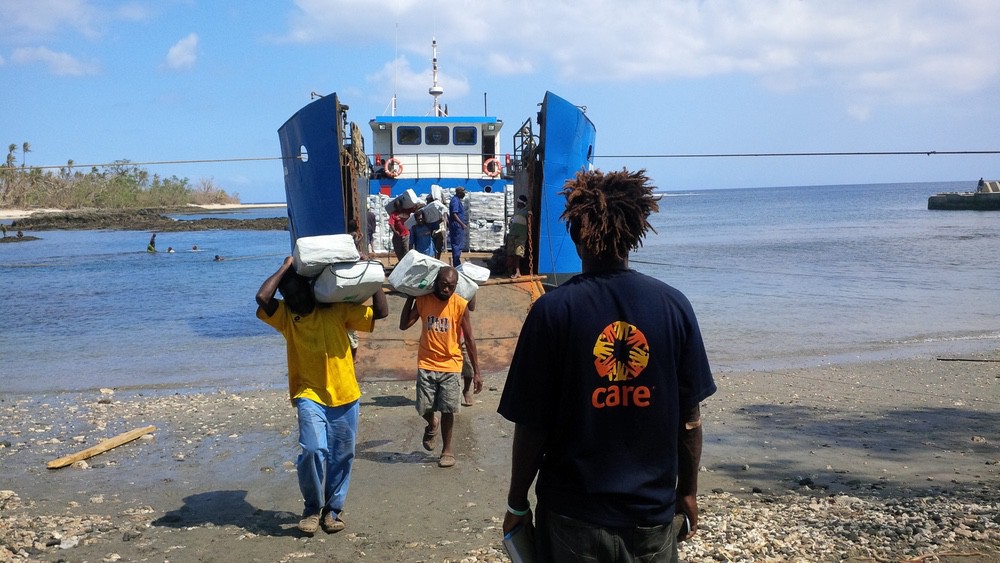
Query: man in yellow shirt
{"x":444,"y":316}
{"x":322,"y":386}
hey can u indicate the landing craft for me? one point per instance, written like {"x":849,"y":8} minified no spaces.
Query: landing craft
{"x":331,"y":181}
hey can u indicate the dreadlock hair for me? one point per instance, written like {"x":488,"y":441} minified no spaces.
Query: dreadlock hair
{"x":608,"y":214}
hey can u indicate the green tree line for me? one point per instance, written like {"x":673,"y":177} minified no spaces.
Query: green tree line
{"x":118,"y":185}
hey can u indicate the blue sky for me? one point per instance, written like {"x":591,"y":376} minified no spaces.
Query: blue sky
{"x":98,"y":81}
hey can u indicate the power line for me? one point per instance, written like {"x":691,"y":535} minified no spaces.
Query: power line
{"x":796,"y":154}
{"x":154,"y":162}
{"x":665,"y":155}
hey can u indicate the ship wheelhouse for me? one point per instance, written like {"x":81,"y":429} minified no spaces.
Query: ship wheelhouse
{"x":449,"y":151}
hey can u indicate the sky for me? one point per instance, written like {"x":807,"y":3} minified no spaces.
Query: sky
{"x":181,"y":80}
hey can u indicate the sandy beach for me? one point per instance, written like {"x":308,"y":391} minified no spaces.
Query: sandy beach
{"x":891,"y":461}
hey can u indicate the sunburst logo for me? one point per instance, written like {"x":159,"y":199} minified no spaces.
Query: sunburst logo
{"x":621,"y":352}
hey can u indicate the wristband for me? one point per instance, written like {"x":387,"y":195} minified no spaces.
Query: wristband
{"x":519,"y":512}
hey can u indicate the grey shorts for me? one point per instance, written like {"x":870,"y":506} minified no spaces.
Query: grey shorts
{"x":438,"y":391}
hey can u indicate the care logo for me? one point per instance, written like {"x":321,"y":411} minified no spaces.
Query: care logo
{"x":621,"y":353}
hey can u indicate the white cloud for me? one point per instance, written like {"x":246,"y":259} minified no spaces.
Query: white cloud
{"x":412,"y":85}
{"x":914,"y":51}
{"x":184,"y":54}
{"x":62,"y":64}
{"x":503,"y":64}
{"x":43,"y":19}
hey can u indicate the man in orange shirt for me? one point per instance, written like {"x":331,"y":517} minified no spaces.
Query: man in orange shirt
{"x":444,"y":316}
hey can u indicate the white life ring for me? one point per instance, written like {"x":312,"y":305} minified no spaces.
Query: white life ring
{"x":393,"y":167}
{"x":492,"y":168}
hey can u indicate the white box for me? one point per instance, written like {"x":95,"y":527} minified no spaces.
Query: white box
{"x":407,"y":200}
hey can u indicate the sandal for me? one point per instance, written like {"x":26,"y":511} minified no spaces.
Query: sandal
{"x":429,"y":438}
{"x":447,"y":460}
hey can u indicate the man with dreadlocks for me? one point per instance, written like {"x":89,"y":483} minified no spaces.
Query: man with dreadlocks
{"x":604,"y":390}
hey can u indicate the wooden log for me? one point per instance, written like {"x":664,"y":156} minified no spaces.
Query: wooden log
{"x":104,"y":446}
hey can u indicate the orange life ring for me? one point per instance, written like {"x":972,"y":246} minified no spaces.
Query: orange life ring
{"x":393,"y":167}
{"x":491,"y":168}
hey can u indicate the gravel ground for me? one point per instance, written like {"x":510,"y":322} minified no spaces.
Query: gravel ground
{"x":803,"y":465}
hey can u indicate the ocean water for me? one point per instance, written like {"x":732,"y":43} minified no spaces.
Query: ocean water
{"x":779,"y":277}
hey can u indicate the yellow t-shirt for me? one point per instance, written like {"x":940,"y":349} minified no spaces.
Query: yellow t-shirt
{"x":320,"y":365}
{"x":439,"y":333}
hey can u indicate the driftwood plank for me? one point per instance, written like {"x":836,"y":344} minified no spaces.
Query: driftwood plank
{"x":104,"y":446}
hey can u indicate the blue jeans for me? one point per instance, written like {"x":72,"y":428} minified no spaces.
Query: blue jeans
{"x":327,"y":436}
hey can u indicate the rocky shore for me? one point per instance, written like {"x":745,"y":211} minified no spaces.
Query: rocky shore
{"x":138,"y":220}
{"x":890,"y":461}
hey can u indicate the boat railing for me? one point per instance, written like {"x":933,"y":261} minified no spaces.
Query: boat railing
{"x":439,"y":165}
{"x":525,"y":142}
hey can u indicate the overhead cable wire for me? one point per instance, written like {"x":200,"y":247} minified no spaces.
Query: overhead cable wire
{"x":665,"y":155}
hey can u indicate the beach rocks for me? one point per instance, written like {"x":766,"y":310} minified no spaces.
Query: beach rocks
{"x":798,"y":527}
{"x":140,"y":502}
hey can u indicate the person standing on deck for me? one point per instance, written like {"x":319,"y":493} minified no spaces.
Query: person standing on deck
{"x":422,"y":235}
{"x":400,"y":234}
{"x":457,"y":226}
{"x":439,"y":226}
{"x":604,"y":390}
{"x":517,"y":235}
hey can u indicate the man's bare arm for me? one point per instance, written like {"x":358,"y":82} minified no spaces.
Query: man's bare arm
{"x":689,"y":444}
{"x":265,"y":295}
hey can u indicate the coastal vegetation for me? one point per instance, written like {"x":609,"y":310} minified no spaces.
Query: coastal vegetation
{"x":119,"y":185}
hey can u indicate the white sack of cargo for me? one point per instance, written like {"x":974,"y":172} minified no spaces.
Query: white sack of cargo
{"x":475,"y":272}
{"x":348,"y":282}
{"x":312,"y":254}
{"x":416,"y":272}
{"x":437,"y":192}
{"x":405,"y":200}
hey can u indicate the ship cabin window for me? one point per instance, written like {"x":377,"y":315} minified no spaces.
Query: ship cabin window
{"x":465,"y":135}
{"x":408,"y":135}
{"x":436,"y":135}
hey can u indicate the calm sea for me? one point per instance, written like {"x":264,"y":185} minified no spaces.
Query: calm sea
{"x":779,"y":277}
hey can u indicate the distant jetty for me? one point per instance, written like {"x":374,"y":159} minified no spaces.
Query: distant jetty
{"x":985,"y":198}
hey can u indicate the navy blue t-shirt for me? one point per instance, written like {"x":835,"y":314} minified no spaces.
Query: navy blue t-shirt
{"x":603,"y":365}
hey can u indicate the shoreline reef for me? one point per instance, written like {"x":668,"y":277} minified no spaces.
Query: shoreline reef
{"x":145,"y":219}
{"x":885,"y":461}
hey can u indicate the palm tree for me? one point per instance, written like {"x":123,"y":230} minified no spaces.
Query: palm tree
{"x":25,"y":149}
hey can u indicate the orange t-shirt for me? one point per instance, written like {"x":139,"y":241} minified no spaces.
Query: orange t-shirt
{"x":441,"y":325}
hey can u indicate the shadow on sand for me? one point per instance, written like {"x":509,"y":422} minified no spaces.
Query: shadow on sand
{"x":229,"y":508}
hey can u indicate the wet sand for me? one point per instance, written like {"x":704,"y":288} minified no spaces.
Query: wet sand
{"x":793,"y":460}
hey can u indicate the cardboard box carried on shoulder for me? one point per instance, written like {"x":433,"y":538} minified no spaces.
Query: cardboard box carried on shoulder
{"x":434,"y":212}
{"x":312,"y":254}
{"x":416,"y":272}
{"x":349,"y":282}
{"x":406,"y":200}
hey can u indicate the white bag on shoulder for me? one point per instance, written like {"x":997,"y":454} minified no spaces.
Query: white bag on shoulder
{"x":475,"y":272}
{"x":312,"y":254}
{"x":416,"y":272}
{"x":349,"y":282}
